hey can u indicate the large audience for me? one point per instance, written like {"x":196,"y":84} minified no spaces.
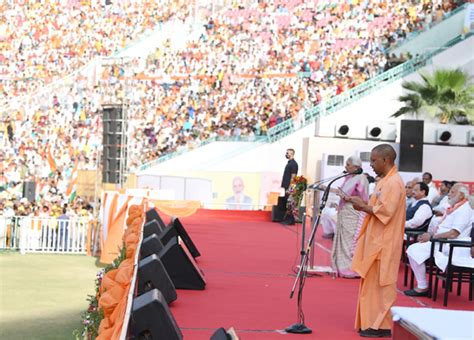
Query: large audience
{"x":250,"y":68}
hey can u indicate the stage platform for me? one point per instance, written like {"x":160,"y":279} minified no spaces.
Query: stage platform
{"x":249,"y":263}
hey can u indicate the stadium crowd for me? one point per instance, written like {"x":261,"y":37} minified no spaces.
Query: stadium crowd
{"x":256,"y":54}
{"x":249,"y":69}
{"x":41,"y":42}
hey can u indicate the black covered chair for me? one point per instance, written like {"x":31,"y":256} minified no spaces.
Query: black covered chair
{"x":454,"y":273}
{"x":411,"y":237}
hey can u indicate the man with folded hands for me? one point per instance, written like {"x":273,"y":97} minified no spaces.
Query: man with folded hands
{"x":455,"y":224}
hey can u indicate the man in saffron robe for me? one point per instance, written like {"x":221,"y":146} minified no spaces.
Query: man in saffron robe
{"x":379,"y":247}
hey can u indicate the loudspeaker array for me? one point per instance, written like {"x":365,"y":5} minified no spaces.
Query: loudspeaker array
{"x":167,"y":262}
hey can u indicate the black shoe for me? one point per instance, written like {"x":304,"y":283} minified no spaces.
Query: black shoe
{"x":412,"y":292}
{"x":375,"y":333}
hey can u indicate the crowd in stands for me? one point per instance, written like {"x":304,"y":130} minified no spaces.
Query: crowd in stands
{"x":250,"y":68}
{"x":44,"y":41}
{"x":43,"y":118}
{"x":45,"y":208}
{"x":239,"y":78}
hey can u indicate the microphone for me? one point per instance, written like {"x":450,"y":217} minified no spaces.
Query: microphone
{"x":344,"y":174}
{"x":315,"y":185}
{"x":355,"y":172}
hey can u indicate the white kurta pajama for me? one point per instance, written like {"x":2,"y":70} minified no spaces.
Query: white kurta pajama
{"x":418,"y":253}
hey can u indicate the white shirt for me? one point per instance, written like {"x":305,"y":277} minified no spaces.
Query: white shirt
{"x":443,"y":205}
{"x":433,"y":192}
{"x":460,"y":220}
{"x":421,"y":215}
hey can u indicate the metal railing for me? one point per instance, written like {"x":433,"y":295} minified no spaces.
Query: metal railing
{"x":346,"y":98}
{"x":412,"y":35}
{"x":288,"y":126}
{"x":47,"y":235}
{"x":171,"y":155}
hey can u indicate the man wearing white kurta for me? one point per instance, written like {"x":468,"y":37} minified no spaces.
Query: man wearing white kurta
{"x":428,"y":179}
{"x":456,"y":223}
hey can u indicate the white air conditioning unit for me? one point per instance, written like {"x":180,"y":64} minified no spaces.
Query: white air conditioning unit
{"x":374,"y":132}
{"x":381,"y":131}
{"x":335,"y":160}
{"x":342,"y":130}
{"x":443,"y":136}
{"x":365,"y":156}
{"x":470,"y":137}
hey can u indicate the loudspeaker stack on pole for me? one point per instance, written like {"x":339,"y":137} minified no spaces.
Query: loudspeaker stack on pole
{"x":411,"y":146}
{"x":114,"y":155}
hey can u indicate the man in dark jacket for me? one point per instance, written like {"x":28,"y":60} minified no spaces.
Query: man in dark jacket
{"x":291,"y":169}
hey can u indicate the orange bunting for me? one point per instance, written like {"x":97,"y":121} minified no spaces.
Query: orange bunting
{"x":115,"y":285}
{"x":129,"y":220}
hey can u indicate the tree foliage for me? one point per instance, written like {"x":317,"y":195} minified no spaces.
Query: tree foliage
{"x":446,"y":94}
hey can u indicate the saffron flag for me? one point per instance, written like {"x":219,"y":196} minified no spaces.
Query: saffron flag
{"x":51,"y":161}
{"x":71,"y":191}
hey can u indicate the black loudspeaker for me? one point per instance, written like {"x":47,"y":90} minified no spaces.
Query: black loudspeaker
{"x":176,"y":229}
{"x":151,"y":228}
{"x":411,"y":146}
{"x":114,"y":140}
{"x":151,"y":215}
{"x":150,"y":245}
{"x":29,"y":191}
{"x":277,"y":214}
{"x":181,"y":266}
{"x":222,"y":334}
{"x":282,"y":200}
{"x":152,"y":274}
{"x":152,"y":319}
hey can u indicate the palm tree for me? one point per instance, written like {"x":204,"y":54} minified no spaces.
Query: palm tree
{"x":447,"y":94}
{"x":413,"y":104}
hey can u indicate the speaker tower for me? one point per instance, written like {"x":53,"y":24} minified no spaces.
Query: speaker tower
{"x":114,"y":136}
{"x":411,"y":146}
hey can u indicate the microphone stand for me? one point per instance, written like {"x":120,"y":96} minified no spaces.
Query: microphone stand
{"x":300,"y":327}
{"x":316,"y":185}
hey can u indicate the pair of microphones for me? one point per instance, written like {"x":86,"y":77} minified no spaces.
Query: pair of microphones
{"x":344,"y":174}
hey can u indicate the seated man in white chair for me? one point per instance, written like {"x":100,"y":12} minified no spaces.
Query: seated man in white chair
{"x":455,"y":224}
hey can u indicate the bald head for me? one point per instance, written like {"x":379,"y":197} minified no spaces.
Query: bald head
{"x":382,"y":159}
{"x":386,"y":151}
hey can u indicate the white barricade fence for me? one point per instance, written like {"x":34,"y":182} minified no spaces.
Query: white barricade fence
{"x":52,"y":235}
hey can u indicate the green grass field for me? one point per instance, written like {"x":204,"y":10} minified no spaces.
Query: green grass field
{"x":42,"y":296}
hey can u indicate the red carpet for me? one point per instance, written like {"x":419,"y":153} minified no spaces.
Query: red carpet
{"x":248,"y":263}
